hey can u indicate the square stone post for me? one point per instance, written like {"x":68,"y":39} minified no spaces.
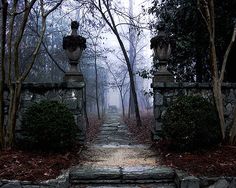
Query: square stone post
{"x":162,"y":50}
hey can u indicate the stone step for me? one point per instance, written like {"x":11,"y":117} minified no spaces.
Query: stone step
{"x":127,"y":175}
{"x":169,"y":185}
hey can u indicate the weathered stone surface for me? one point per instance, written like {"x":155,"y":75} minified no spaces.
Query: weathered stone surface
{"x":190,"y":182}
{"x":158,"y":99}
{"x":30,"y":186}
{"x":129,"y":186}
{"x":148,"y":173}
{"x":157,"y":112}
{"x":221,"y":183}
{"x":12,"y":184}
{"x":229,"y":109}
{"x":89,"y":173}
{"x":233,"y":183}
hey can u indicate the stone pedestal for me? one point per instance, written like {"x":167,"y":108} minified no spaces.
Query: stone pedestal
{"x":74,"y":45}
{"x":73,"y":77}
{"x":163,"y":76}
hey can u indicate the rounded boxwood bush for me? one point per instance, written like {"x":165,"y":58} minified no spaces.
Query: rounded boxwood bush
{"x":190,"y":123}
{"x":48,"y":125}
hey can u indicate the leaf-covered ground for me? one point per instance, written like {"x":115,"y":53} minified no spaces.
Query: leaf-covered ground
{"x":220,"y":161}
{"x":32,"y":166}
{"x":37,"y":166}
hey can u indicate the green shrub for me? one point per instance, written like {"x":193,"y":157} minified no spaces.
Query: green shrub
{"x":191,"y":123}
{"x":48,"y":125}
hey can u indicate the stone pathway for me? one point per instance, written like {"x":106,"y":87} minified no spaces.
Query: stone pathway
{"x":115,"y":160}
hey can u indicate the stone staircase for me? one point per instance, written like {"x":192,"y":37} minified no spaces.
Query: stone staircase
{"x":114,"y":159}
{"x":143,"y":177}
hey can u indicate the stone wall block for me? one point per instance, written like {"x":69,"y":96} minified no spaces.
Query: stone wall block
{"x":38,"y":98}
{"x":71,"y":103}
{"x":229,"y":109}
{"x":12,"y":184}
{"x":53,"y":95}
{"x":159,"y":99}
{"x":26,"y":104}
{"x":190,"y":182}
{"x":158,"y":126}
{"x":221,"y":183}
{"x":168,"y":100}
{"x":233,"y":183}
{"x":27,"y":96}
{"x":231,"y":96}
{"x":157,"y":113}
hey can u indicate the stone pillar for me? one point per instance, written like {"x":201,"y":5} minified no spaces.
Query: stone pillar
{"x":162,"y":50}
{"x":75,"y":100}
{"x":74,"y":45}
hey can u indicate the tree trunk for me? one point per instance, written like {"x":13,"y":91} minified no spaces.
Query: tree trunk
{"x":217,"y":93}
{"x":132,"y":58}
{"x":219,"y":105}
{"x":132,"y":83}
{"x":96,"y":85}
{"x":85,"y":106}
{"x":122,"y":103}
{"x":2,"y":81}
{"x":1,"y":114}
{"x":232,"y":136}
{"x":15,"y":93}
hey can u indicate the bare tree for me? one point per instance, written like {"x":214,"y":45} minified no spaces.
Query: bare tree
{"x":206,"y":8}
{"x":95,"y":40}
{"x":104,"y":7}
{"x":119,"y":76}
{"x":16,"y":73}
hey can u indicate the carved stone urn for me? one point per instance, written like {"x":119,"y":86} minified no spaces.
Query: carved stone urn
{"x":74,"y":45}
{"x":162,"y":50}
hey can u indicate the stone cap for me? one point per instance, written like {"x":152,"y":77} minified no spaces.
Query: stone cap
{"x":51,"y":85}
{"x":189,"y":85}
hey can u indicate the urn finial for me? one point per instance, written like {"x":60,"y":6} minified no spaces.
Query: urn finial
{"x":74,"y":27}
{"x":162,"y":50}
{"x":74,"y":45}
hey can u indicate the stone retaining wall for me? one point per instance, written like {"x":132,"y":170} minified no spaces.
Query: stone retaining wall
{"x":60,"y":182}
{"x":69,"y":93}
{"x":183,"y":180}
{"x":166,"y":93}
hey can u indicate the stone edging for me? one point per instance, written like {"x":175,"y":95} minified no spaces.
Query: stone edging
{"x":61,"y":181}
{"x":182,"y":180}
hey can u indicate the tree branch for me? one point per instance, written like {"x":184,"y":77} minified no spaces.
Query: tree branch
{"x":227,"y":55}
